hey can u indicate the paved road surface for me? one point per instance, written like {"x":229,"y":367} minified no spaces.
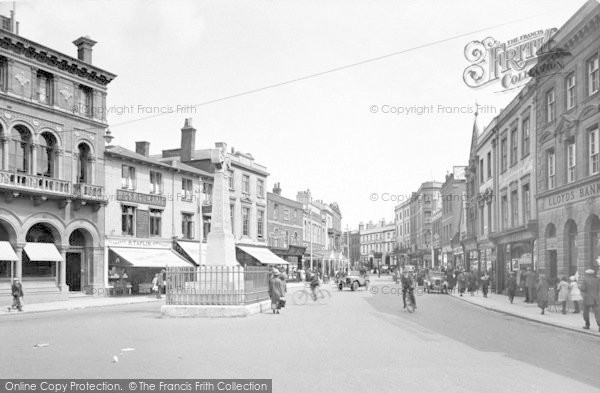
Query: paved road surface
{"x":360,"y":342}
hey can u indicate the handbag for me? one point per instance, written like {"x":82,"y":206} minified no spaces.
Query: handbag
{"x":282,"y":302}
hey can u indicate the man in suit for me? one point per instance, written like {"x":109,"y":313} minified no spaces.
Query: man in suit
{"x":530,"y":284}
{"x":590,"y":289}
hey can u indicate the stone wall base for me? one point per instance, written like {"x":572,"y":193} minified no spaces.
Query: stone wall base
{"x":189,"y":311}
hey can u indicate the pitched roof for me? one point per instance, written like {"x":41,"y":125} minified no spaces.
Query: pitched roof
{"x":122,"y":152}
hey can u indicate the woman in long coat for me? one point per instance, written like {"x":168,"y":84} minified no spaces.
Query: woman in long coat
{"x":563,"y":293}
{"x":276,"y":292}
{"x":542,"y":293}
{"x":574,"y":293}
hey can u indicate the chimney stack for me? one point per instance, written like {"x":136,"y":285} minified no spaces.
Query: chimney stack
{"x":143,"y":148}
{"x":222,"y":146}
{"x":188,"y":140}
{"x":84,"y":48}
{"x":277,"y":189}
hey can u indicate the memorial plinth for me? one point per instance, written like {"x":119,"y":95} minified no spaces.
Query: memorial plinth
{"x":218,"y":285}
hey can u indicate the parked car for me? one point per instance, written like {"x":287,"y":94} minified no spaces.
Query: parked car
{"x":436,"y":282}
{"x":353,"y":280}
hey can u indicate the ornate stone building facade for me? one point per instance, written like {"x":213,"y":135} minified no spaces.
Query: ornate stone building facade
{"x":52,"y":129}
{"x":568,"y":140}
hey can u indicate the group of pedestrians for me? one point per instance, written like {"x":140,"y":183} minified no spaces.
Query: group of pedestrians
{"x":467,"y":281}
{"x":585,"y":293}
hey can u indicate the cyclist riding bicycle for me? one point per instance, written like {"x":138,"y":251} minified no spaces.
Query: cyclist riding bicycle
{"x":408,"y":287}
{"x":314,"y":284}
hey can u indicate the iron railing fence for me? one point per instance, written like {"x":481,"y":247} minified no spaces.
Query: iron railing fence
{"x":217,"y":285}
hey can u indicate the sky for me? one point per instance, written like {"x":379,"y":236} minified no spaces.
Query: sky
{"x":364,"y":135}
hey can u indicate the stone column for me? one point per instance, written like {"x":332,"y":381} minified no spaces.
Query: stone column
{"x":18,"y":273}
{"x":220,"y":240}
{"x":59,"y":173}
{"x":99,"y":265}
{"x":33,"y":164}
{"x":75,"y":167}
{"x":5,"y":152}
{"x":91,"y":170}
{"x":62,"y":277}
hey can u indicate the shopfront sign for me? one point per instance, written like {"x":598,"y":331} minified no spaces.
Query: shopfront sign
{"x":137,"y":243}
{"x":136,"y":197}
{"x":574,"y":195}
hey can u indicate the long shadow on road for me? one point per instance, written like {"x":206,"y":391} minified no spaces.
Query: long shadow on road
{"x":560,"y":351}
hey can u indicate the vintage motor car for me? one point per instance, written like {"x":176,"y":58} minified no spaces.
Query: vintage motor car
{"x":436,"y":282}
{"x":353,"y":280}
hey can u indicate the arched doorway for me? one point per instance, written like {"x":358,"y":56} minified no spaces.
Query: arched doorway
{"x":79,"y":269}
{"x":7,"y":234}
{"x":570,"y":247}
{"x":551,"y":255}
{"x":592,"y":242}
{"x":40,"y":233}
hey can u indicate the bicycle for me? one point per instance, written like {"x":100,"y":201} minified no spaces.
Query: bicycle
{"x":301,"y":296}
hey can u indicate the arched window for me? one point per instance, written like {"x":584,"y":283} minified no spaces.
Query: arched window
{"x":46,"y":165}
{"x":20,"y":149}
{"x":83,"y":173}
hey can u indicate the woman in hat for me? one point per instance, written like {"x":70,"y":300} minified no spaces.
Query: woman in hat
{"x":283,"y":279}
{"x":542,"y":293}
{"x":563,"y":293}
{"x":276,"y":291}
{"x":574,"y":293}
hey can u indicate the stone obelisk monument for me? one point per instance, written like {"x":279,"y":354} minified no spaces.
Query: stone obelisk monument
{"x":220,"y":241}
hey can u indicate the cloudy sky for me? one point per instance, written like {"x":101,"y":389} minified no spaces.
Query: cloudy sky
{"x":320,"y":132}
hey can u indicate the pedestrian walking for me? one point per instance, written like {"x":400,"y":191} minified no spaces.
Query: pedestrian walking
{"x":563,"y":293}
{"x":542,"y":293}
{"x":485,"y":283}
{"x":472,"y":283}
{"x":17,"y":294}
{"x":156,"y":284}
{"x":590,"y":288}
{"x":163,"y":277}
{"x":574,"y":294}
{"x":276,"y":291}
{"x":530,"y":285}
{"x":461,"y":282}
{"x":512,"y":286}
{"x":282,"y":298}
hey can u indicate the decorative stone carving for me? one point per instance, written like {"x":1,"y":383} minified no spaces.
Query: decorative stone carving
{"x":66,"y":93}
{"x":22,"y":79}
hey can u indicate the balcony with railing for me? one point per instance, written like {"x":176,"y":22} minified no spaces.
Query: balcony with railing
{"x":16,"y":181}
{"x":89,"y":191}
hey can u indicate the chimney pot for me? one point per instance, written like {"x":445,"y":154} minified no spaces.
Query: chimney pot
{"x":143,"y":148}
{"x":84,"y":48}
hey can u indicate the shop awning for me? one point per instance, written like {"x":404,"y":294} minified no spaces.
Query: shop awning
{"x":42,"y":252}
{"x":150,"y":257}
{"x":192,"y":250}
{"x":263,"y":255}
{"x":6,"y":252}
